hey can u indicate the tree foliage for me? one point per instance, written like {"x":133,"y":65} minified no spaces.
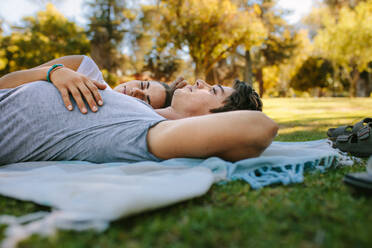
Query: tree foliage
{"x":218,"y":40}
{"x":107,"y":26}
{"x":337,"y":5}
{"x":161,"y":60}
{"x":46,"y":36}
{"x":277,"y":47}
{"x":347,"y":40}
{"x":314,"y":72}
{"x":277,"y":76}
{"x":208,"y":29}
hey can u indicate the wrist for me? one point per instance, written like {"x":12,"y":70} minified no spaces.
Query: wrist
{"x":52,"y":69}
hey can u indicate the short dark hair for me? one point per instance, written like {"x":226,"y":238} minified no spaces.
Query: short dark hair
{"x":168,"y":94}
{"x":243,"y":98}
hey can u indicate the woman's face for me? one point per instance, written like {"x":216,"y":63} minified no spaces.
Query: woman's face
{"x":151,"y":92}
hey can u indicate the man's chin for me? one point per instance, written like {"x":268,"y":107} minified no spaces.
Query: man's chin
{"x":177,"y":92}
{"x":182,"y":91}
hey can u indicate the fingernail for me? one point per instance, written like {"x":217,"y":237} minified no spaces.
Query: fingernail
{"x":100,"y":102}
{"x":84,"y":110}
{"x":94,"y":108}
{"x":69,"y":107}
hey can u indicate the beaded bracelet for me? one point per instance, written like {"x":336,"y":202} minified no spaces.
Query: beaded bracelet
{"x":51,"y":69}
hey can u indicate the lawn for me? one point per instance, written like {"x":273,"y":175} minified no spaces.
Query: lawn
{"x":321,"y":212}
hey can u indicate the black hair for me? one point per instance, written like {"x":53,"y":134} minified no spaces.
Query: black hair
{"x":243,"y":98}
{"x":168,"y":94}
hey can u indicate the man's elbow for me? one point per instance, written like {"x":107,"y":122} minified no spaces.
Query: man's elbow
{"x":254,"y":135}
{"x":272,"y":129}
{"x":268,"y":132}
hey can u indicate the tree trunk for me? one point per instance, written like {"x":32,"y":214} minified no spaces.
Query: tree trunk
{"x":362,"y":86}
{"x":353,"y":82}
{"x":369,"y":85}
{"x":259,"y":77}
{"x":320,"y":92}
{"x":199,"y":71}
{"x":215,"y":76}
{"x":248,"y":75}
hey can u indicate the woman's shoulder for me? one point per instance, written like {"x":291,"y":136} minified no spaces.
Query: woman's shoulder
{"x":90,"y":69}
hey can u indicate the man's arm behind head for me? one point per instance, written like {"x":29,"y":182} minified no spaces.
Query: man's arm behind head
{"x":232,"y":136}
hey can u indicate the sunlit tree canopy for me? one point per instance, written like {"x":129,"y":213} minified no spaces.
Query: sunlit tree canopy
{"x":328,"y":53}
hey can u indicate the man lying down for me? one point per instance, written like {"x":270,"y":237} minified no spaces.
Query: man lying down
{"x":202,"y":120}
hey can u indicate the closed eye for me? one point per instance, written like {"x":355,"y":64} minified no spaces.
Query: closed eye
{"x":141,"y":85}
{"x":214,"y":91}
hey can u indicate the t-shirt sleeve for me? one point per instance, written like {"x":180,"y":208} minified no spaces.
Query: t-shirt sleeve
{"x":90,"y":69}
{"x":4,"y":93}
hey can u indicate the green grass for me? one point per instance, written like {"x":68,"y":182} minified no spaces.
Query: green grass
{"x":321,"y":212}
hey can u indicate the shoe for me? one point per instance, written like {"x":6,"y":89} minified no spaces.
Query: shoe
{"x":361,"y":181}
{"x":358,"y":142}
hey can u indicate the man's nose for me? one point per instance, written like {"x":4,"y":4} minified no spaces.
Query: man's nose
{"x":200,"y":84}
{"x":138,"y":93}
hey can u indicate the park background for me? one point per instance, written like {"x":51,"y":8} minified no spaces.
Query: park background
{"x":326,"y":50}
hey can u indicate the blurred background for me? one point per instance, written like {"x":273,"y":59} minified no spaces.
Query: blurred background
{"x":283,"y":48}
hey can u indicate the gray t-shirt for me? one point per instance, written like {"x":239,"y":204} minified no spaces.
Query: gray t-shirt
{"x":36,"y":126}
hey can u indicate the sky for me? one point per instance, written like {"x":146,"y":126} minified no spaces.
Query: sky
{"x":12,"y":11}
{"x":298,"y":8}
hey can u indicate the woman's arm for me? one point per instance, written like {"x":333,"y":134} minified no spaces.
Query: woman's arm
{"x":18,"y":78}
{"x":231,"y":135}
{"x":66,"y":80}
{"x":72,"y":62}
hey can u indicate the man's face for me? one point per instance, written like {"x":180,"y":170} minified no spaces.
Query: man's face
{"x":200,"y":98}
{"x":151,"y":92}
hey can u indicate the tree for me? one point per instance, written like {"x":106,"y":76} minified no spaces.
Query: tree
{"x":207,"y":29}
{"x":313,"y":21}
{"x":161,"y":59}
{"x":277,"y":47}
{"x":337,"y":5}
{"x":3,"y":60}
{"x":108,"y":21}
{"x":162,"y":67}
{"x":46,"y":36}
{"x":279,"y":84}
{"x":314,"y":72}
{"x":347,"y":41}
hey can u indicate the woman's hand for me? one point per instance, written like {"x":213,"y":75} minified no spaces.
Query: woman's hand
{"x":68,"y":81}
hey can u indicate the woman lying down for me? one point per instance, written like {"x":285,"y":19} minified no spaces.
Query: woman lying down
{"x":39,"y":121}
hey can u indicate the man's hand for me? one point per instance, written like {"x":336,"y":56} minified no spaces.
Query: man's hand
{"x":68,"y":82}
{"x":179,"y":83}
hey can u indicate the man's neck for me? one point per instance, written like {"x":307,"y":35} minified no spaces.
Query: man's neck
{"x":170,"y":113}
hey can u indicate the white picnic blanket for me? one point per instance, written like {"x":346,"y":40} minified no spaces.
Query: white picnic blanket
{"x":88,"y":196}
